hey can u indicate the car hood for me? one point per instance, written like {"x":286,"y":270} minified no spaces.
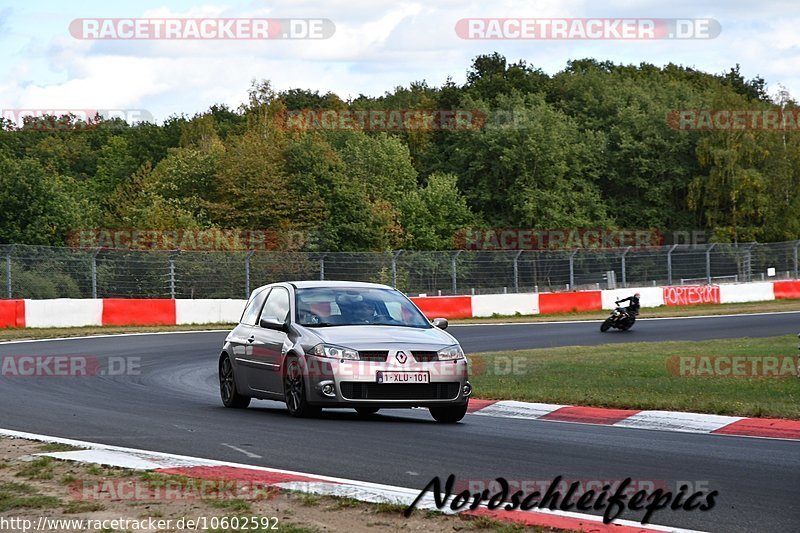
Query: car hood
{"x":363,"y":337}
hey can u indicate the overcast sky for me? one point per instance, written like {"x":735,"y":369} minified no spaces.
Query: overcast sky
{"x":377,"y":46}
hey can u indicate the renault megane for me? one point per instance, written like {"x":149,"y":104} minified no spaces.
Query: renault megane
{"x":318,"y":344}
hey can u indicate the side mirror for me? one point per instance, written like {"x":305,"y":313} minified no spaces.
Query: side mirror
{"x":271,"y":322}
{"x":440,"y":323}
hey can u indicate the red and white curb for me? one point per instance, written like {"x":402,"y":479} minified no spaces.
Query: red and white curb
{"x":774,"y":428}
{"x":194,"y":467}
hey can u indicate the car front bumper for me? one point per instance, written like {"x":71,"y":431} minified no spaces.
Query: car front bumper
{"x":345,"y":383}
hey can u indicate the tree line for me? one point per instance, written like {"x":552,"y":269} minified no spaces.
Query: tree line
{"x":591,"y":146}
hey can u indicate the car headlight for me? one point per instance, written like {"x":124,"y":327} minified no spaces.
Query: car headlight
{"x":334,"y":352}
{"x":451,"y":353}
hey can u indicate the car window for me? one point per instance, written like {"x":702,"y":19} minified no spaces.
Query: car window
{"x":254,"y":307}
{"x":277,"y":305}
{"x":395,"y":310}
{"x":346,"y":306}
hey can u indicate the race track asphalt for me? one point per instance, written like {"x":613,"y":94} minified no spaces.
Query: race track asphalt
{"x":172,"y":405}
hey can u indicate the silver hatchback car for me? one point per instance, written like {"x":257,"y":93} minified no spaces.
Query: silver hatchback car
{"x":316,"y":344}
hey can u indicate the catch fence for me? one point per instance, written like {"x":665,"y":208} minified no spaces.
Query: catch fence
{"x":50,"y":272}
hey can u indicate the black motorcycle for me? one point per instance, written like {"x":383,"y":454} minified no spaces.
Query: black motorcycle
{"x":620,"y":319}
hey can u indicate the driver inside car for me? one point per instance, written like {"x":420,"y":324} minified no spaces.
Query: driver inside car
{"x":362,"y":312}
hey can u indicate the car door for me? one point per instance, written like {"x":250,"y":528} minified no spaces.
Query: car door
{"x":268,"y":343}
{"x":241,"y":338}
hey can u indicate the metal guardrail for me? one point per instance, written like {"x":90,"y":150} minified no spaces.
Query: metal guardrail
{"x":50,"y":272}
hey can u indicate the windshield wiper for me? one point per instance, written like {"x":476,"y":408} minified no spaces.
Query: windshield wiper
{"x":386,"y":325}
{"x":328,"y":324}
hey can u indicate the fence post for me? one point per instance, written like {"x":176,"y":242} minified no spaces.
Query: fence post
{"x":8,"y":270}
{"x":572,"y":269}
{"x":395,"y":255}
{"x":322,"y":267}
{"x":172,"y":273}
{"x":748,"y":275}
{"x":624,"y":276}
{"x":94,"y":273}
{"x":516,"y":270}
{"x":708,"y":263}
{"x":453,"y":270}
{"x":796,"y":246}
{"x":247,"y":273}
{"x":669,"y":264}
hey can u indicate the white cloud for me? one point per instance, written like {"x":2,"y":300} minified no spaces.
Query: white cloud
{"x":377,"y":46}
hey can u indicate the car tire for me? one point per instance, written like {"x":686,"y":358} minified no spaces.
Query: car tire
{"x":449,"y":414}
{"x":227,"y":386}
{"x":294,"y":390}
{"x":366,"y":411}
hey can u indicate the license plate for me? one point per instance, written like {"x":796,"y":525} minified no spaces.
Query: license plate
{"x":404,"y":377}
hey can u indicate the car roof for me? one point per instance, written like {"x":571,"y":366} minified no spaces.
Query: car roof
{"x":308,"y":284}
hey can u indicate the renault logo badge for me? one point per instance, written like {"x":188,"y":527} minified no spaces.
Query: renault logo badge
{"x":401,"y":357}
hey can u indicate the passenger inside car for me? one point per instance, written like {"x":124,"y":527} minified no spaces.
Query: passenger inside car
{"x":361,"y":312}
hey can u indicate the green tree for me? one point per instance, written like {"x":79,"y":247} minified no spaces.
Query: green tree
{"x":342,"y":207}
{"x":732,"y":193}
{"x":782,"y":172}
{"x":381,"y":162}
{"x":491,"y":76}
{"x":252,"y":187}
{"x":535,"y":169}
{"x":35,"y":207}
{"x":138,"y":204}
{"x":432,"y":215}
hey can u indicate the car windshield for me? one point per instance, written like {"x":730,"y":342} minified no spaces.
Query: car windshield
{"x":346,"y":306}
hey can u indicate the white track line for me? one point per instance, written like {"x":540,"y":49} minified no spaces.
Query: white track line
{"x":240,"y":450}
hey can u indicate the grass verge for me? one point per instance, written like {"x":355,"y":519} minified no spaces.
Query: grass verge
{"x":637,"y":376}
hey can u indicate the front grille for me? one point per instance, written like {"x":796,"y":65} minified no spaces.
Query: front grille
{"x":355,"y":390}
{"x":373,"y":355}
{"x":425,"y":357}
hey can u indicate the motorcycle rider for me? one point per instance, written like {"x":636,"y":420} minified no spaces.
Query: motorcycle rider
{"x":633,"y":308}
